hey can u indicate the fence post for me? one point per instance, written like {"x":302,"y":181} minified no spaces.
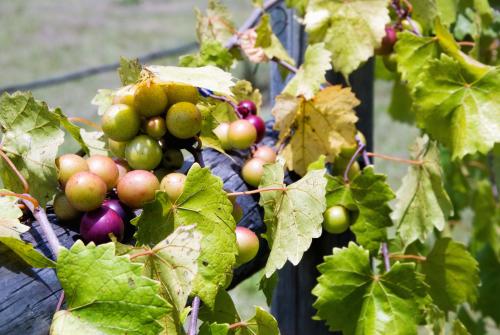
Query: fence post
{"x":292,"y":301}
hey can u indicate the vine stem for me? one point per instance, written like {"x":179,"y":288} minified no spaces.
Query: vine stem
{"x":26,"y":187}
{"x":385,"y":254}
{"x":194,"y":316}
{"x":259,"y":190}
{"x":395,"y":159}
{"x":48,"y":231}
{"x":238,"y":325}
{"x":85,"y":122}
{"x":414,"y":257}
{"x":24,"y":197}
{"x":286,"y":65}
{"x":60,"y":302}
{"x":139,"y":254}
{"x":360,"y":148}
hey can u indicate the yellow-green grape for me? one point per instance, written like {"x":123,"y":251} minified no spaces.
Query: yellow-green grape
{"x":173,"y":185}
{"x":120,"y":122}
{"x":181,"y":93}
{"x":150,"y":99}
{"x":117,"y":148}
{"x":183,"y":120}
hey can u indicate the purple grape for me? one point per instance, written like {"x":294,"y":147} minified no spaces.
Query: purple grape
{"x":96,"y":225}
{"x":259,"y":125}
{"x":118,"y":207}
{"x":247,"y":107}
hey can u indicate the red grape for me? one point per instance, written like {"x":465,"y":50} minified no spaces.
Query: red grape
{"x":259,"y":125}
{"x":246,"y":107}
{"x":96,"y":225}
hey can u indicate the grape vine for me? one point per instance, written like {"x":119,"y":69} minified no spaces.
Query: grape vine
{"x":158,"y":230}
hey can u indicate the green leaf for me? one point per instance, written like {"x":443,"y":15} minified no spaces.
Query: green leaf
{"x":262,"y":323}
{"x":215,"y":25}
{"x":214,"y":329}
{"x":267,"y":286}
{"x":72,"y":129}
{"x":209,"y":77}
{"x":293,"y":216}
{"x":299,"y":5}
{"x":103,"y":99}
{"x":447,"y":10}
{"x":400,"y":106}
{"x":351,"y":30}
{"x":106,"y":294}
{"x":307,"y":81}
{"x":31,"y":138}
{"x":356,"y":301}
{"x":27,"y":252}
{"x":205,"y":204}
{"x":486,"y":223}
{"x":210,"y":53}
{"x":459,"y":110}
{"x":243,"y":90}
{"x":452,"y":274}
{"x":424,"y":12}
{"x":96,"y":142}
{"x":222,"y":311}
{"x":488,"y":302}
{"x":269,"y":42}
{"x":422,"y":202}
{"x":129,"y":71}
{"x":458,"y":328}
{"x":413,"y":53}
{"x":368,"y":194}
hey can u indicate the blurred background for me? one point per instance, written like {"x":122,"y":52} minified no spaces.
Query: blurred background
{"x":46,"y":38}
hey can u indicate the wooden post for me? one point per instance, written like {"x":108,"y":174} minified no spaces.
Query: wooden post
{"x":292,"y":301}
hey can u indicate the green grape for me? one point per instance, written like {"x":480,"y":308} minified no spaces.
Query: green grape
{"x":120,"y":122}
{"x":63,"y":209}
{"x":252,"y":171}
{"x":173,"y":159}
{"x":336,"y":220}
{"x":242,"y":134}
{"x":143,"y":153}
{"x":181,"y":92}
{"x":117,"y":148}
{"x":183,"y":120}
{"x":125,"y":95}
{"x":155,"y":127}
{"x":150,"y":99}
{"x":222,"y":131}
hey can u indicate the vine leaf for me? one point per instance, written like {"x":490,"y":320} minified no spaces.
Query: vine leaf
{"x":223,"y":310}
{"x":354,"y":300}
{"x":413,"y":53}
{"x":209,"y":77}
{"x":457,"y":108}
{"x":211,"y":53}
{"x":31,"y":138}
{"x":103,"y":99}
{"x":452,"y":273}
{"x":486,"y":221}
{"x":129,"y":71}
{"x":205,"y":204}
{"x":174,"y":263}
{"x":262,"y":323}
{"x":321,"y":126}
{"x":488,"y":302}
{"x":311,"y":74}
{"x":368,"y":194}
{"x":72,"y":129}
{"x":214,"y":329}
{"x":351,"y":30}
{"x":293,"y":216}
{"x":269,"y":42}
{"x":10,"y":234}
{"x":243,"y":90}
{"x":106,"y":294}
{"x":96,"y":142}
{"x":422,"y":202}
{"x":216,"y":24}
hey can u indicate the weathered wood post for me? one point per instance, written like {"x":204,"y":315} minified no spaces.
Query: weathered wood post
{"x":292,"y":301}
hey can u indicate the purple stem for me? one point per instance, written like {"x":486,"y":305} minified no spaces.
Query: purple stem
{"x":385,"y":253}
{"x":366,"y":159}
{"x":194,"y":316}
{"x":360,"y":148}
{"x":50,"y":235}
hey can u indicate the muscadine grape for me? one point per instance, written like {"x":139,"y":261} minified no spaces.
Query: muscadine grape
{"x":85,"y":191}
{"x":173,"y":185}
{"x":118,"y":207}
{"x":125,"y":95}
{"x":63,"y":209}
{"x":336,"y":220}
{"x":120,"y":122}
{"x":96,"y":225}
{"x":137,"y":187}
{"x":259,"y":125}
{"x":117,"y":148}
{"x":143,"y":153}
{"x":68,"y":165}
{"x":242,"y":134}
{"x":105,"y":168}
{"x":246,"y":107}
{"x":150,"y":99}
{"x":388,"y":41}
{"x":181,"y":92}
{"x":183,"y":120}
{"x":252,"y":171}
{"x":248,"y":245}
{"x":122,"y":167}
{"x":155,"y":127}
{"x":266,"y":153}
{"x":222,"y":131}
{"x":161,"y":172}
{"x":173,"y":159}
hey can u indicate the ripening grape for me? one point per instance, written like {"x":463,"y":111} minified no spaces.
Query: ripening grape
{"x":252,"y":171}
{"x":63,"y":209}
{"x":137,"y":187}
{"x":68,"y":165}
{"x":85,"y":191}
{"x":266,"y":153}
{"x":143,"y":153}
{"x":259,"y":125}
{"x":222,"y":132}
{"x":242,"y":134}
{"x":248,"y":245}
{"x":246,"y":108}
{"x":120,"y":122}
{"x":96,"y":225}
{"x":183,"y":120}
{"x":173,"y":185}
{"x":105,"y":168}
